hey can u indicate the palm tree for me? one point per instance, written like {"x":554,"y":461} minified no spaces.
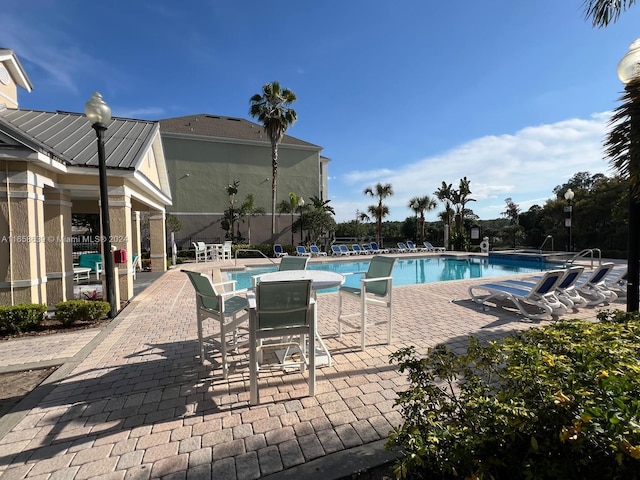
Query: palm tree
{"x":444,"y":195}
{"x":423,"y":204}
{"x":289,"y":207}
{"x":379,"y":211}
{"x":603,"y":12}
{"x":322,"y":205}
{"x":248,"y":210}
{"x":272,"y":109}
{"x":460,"y":198}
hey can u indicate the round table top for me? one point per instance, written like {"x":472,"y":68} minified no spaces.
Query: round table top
{"x":319,"y":278}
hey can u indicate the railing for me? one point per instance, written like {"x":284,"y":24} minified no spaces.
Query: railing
{"x":252,"y":250}
{"x":545,"y":241}
{"x":584,"y":253}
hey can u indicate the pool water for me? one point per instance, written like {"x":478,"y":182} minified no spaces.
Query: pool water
{"x":408,"y":271}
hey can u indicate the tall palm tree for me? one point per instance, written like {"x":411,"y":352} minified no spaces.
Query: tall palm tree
{"x":272,"y":108}
{"x":423,"y":204}
{"x":444,"y":195}
{"x":379,"y":211}
{"x":603,"y":12}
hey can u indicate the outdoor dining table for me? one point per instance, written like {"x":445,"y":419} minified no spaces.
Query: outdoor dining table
{"x":320,"y":279}
{"x":214,"y":251}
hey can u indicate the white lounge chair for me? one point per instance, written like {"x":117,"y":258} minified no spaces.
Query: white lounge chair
{"x":278,"y":251}
{"x":431,"y":248}
{"x":376,"y":249}
{"x":566,"y":290}
{"x":594,"y":288}
{"x":316,"y":252}
{"x":302,"y":251}
{"x":540,"y":296}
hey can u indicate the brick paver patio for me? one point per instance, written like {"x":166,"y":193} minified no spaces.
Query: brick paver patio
{"x":137,"y":404}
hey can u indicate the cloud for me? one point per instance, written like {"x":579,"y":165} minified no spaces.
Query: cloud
{"x":526,"y":166}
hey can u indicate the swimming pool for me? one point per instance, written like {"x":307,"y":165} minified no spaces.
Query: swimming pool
{"x":408,"y":271}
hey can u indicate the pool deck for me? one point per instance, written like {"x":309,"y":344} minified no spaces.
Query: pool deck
{"x":132,"y":401}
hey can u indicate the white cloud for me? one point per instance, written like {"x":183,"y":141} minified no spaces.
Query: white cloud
{"x":525,"y":166}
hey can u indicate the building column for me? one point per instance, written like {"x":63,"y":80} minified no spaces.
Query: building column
{"x":121,"y":238}
{"x":158,"y":236}
{"x":23,"y":277}
{"x":58,"y":246}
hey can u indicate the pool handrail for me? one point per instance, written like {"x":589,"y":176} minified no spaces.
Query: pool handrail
{"x":252,"y":250}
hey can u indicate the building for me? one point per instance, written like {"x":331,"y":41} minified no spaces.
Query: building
{"x":206,"y":153}
{"x":49,"y":171}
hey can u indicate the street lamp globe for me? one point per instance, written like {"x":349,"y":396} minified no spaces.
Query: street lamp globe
{"x":568,"y":195}
{"x":629,"y":66}
{"x":97,"y":111}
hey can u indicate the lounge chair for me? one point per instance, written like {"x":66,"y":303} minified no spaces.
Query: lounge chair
{"x":229,"y":308}
{"x":376,"y":249}
{"x":618,"y":281}
{"x":337,"y":251}
{"x":565,"y":291}
{"x":357,"y":250}
{"x":367,"y":249}
{"x":541,"y":295}
{"x":302,"y":251}
{"x":594,"y":288}
{"x":345,"y":250}
{"x":413,"y":248}
{"x":375,"y":289}
{"x":278,"y":251}
{"x":431,"y":248}
{"x":402,"y":248}
{"x":283,"y":310}
{"x":316,"y":252}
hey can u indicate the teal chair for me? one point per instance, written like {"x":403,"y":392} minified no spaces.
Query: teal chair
{"x":228,"y":307}
{"x":375,"y":289}
{"x":293,"y":263}
{"x":283,"y":311}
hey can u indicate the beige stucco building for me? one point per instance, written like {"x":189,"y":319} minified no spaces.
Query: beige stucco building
{"x":205,"y":153}
{"x":49,"y":171}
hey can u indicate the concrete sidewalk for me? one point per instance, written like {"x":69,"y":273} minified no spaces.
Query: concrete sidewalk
{"x":132,"y":401}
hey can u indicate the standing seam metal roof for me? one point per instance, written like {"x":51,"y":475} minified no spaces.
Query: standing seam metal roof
{"x":70,"y":138}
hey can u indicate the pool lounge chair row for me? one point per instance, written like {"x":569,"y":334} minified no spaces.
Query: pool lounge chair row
{"x":357,"y":249}
{"x":552,"y":294}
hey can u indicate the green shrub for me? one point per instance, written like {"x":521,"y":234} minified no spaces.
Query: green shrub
{"x":21,"y":317}
{"x":556,"y":402}
{"x":72,"y":311}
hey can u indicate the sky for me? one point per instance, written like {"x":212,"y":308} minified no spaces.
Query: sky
{"x":514,"y":95}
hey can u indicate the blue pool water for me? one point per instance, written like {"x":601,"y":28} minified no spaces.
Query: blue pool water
{"x":409,"y":271}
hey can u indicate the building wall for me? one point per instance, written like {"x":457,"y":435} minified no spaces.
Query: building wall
{"x":200,"y":171}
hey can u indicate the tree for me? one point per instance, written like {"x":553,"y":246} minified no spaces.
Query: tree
{"x":322,"y":205}
{"x":603,"y":12}
{"x":459,"y":199}
{"x":424,"y":204}
{"x":512,"y":213}
{"x":231,"y":214}
{"x":248,"y":209}
{"x":272,"y":108}
{"x":289,"y":207}
{"x":444,"y":195}
{"x":379,"y":211}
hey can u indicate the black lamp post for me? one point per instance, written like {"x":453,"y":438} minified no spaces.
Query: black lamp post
{"x":415,"y":206}
{"x":99,"y":114}
{"x":568,"y":196}
{"x":301,"y":205}
{"x":629,"y":74}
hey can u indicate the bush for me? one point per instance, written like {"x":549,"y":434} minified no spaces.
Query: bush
{"x":22,"y":317}
{"x":556,"y":402}
{"x":72,"y":311}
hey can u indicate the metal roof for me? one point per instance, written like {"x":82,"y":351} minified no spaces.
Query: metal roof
{"x":71,"y":139}
{"x":217,"y":126}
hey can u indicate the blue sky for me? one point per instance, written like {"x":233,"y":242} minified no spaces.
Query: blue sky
{"x":513,"y":95}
